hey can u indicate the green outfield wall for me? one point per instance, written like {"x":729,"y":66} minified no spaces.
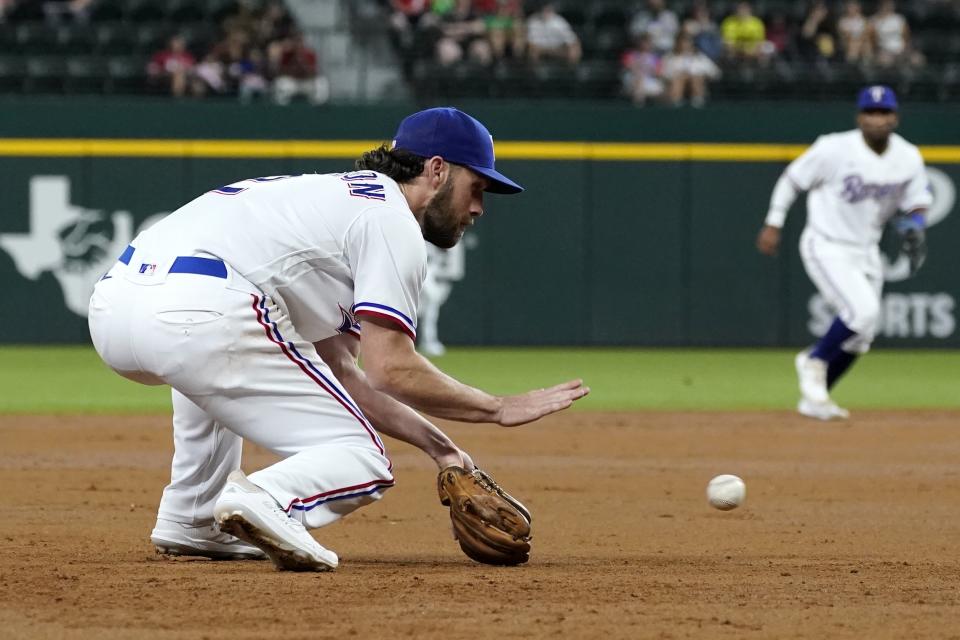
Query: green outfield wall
{"x":636,"y":228}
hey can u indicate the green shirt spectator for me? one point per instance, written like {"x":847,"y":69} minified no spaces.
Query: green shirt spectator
{"x":743,"y":32}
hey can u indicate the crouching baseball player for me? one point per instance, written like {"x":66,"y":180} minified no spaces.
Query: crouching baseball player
{"x":856,"y":181}
{"x":250,"y":302}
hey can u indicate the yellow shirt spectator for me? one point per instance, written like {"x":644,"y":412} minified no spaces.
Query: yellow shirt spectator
{"x":743,"y":34}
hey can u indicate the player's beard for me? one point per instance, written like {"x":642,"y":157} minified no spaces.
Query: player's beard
{"x":440,"y":225}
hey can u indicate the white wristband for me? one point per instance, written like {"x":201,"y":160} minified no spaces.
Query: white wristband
{"x":776,"y":218}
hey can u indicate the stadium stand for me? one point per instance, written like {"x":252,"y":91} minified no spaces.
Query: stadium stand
{"x":107,"y":46}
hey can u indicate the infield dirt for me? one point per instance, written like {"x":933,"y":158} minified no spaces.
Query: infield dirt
{"x":849,"y":530}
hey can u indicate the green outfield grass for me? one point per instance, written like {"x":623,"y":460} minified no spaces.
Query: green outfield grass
{"x":73,"y":380}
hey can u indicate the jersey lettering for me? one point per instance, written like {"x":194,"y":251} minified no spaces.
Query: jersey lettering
{"x":231,"y":190}
{"x":856,"y":190}
{"x":360,"y":188}
{"x":369,"y":190}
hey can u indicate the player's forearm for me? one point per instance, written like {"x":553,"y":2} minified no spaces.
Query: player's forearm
{"x":784,"y":195}
{"x":414,"y":381}
{"x":394,"y":419}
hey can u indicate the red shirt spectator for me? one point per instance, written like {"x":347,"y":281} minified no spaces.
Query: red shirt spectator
{"x":171,"y":60}
{"x":297,"y":60}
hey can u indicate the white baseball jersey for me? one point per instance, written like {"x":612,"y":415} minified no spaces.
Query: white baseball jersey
{"x":853,"y":191}
{"x":324,"y":247}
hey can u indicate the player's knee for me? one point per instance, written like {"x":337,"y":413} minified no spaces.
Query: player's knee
{"x":867,"y":318}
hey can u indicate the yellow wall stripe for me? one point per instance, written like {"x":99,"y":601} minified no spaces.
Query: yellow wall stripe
{"x":513,"y":150}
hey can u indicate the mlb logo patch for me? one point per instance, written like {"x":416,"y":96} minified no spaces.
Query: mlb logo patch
{"x":147,"y":269}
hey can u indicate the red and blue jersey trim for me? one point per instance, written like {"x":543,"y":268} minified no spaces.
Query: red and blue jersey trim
{"x":383,"y":311}
{"x":290,"y":351}
{"x":355,"y":491}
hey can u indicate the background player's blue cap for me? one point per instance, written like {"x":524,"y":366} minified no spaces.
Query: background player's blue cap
{"x":456,"y":137}
{"x":877,"y":97}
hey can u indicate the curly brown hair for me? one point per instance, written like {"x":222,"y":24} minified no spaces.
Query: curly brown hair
{"x":400,"y":165}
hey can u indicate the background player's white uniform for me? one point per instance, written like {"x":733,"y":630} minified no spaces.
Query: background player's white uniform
{"x":301,"y":257}
{"x":853,"y":192}
{"x":444,"y":267}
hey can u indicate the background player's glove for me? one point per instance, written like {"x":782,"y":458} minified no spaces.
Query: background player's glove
{"x":914,"y":239}
{"x":492,"y":526}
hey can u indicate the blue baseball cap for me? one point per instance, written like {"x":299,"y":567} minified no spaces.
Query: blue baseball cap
{"x":456,"y":137}
{"x":877,"y":97}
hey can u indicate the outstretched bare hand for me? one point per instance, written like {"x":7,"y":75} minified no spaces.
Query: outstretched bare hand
{"x":533,"y":405}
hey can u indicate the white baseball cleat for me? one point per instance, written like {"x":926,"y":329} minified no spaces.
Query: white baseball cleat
{"x":251,"y":514}
{"x":812,"y":374}
{"x":823,"y":411}
{"x":180,"y":539}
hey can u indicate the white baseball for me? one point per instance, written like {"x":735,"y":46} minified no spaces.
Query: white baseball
{"x":726,"y":492}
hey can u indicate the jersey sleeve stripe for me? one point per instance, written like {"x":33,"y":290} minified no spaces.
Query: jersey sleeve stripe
{"x":385,"y":308}
{"x":389,"y":314}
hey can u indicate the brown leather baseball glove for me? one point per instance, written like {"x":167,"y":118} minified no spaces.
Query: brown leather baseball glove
{"x":492,"y":526}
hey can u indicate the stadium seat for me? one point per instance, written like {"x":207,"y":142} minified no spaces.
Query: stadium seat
{"x":125,"y":75}
{"x":36,"y":38}
{"x":13,"y":70}
{"x":217,"y":10}
{"x":8,"y":38}
{"x":152,"y":37}
{"x":85,"y":74}
{"x":184,"y":11}
{"x":29,"y":11}
{"x":44,"y":74}
{"x":200,"y":37}
{"x":113,"y":38}
{"x":607,"y":43}
{"x":510,"y":79}
{"x":574,"y":13}
{"x":553,"y":80}
{"x":106,"y":11}
{"x":75,"y":39}
{"x":597,"y":79}
{"x":141,"y":11}
{"x":606,"y":15}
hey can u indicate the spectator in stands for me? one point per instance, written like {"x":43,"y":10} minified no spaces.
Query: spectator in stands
{"x":780,"y":36}
{"x":404,"y":18}
{"x":817,"y":42}
{"x":462,"y":33}
{"x":297,"y":71}
{"x":744,"y":35}
{"x":853,"y":33}
{"x":642,"y":71}
{"x":210,"y":74}
{"x":504,"y":24}
{"x":5,"y":7}
{"x":891,"y":38}
{"x":549,"y":35}
{"x":245,"y":19}
{"x":704,"y":31}
{"x":274,"y":23}
{"x":78,"y":10}
{"x":657,"y":21}
{"x":171,"y":69}
{"x":241,"y":65}
{"x":686,"y":71}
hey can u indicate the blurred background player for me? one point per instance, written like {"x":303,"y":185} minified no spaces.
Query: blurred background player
{"x":856,"y":181}
{"x":444,"y":267}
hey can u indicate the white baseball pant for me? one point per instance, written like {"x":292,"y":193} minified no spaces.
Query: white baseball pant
{"x":238,"y":371}
{"x":850,"y":278}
